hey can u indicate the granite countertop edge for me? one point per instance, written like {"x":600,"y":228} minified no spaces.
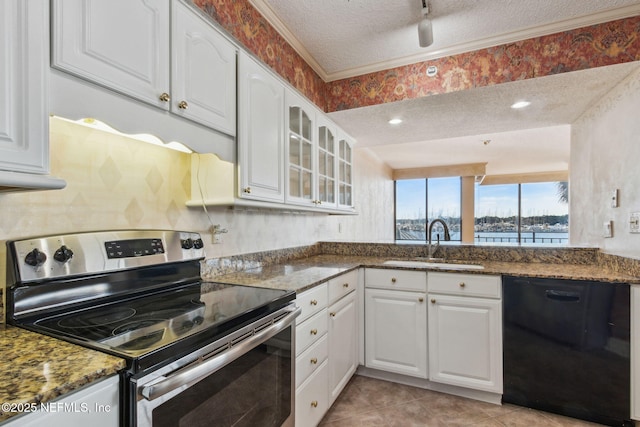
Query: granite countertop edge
{"x":36,"y":369}
{"x":305,"y":273}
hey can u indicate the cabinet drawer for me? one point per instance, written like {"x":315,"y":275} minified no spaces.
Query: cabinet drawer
{"x":311,"y":359}
{"x":311,"y":330}
{"x":342,"y":285}
{"x":312,"y":301}
{"x":402,"y":280}
{"x":475,"y":285}
{"x":312,"y":398}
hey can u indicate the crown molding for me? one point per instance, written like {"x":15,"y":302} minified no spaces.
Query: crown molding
{"x":569,"y":24}
{"x":272,"y":18}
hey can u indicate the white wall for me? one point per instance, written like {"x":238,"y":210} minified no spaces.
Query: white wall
{"x":605,"y":155}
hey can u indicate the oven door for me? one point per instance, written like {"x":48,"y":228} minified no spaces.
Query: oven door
{"x":244,"y":379}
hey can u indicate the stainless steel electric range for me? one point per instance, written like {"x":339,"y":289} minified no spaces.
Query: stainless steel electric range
{"x":197,"y":352}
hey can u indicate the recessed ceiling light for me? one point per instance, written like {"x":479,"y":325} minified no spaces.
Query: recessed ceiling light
{"x":521,"y":104}
{"x":395,"y":121}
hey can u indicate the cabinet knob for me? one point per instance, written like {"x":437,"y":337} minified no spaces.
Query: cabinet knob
{"x":393,"y":280}
{"x":345,"y":285}
{"x":247,"y":190}
{"x":164,"y":97}
{"x":420,"y":299}
{"x":183,"y":105}
{"x":314,"y":302}
{"x":332,"y":314}
{"x":461,"y":284}
{"x":314,"y":332}
{"x":314,"y":403}
{"x":314,"y":361}
{"x":433,"y":300}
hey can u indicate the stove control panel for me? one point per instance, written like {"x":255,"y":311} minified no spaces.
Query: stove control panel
{"x":134,"y":248}
{"x":98,"y":252}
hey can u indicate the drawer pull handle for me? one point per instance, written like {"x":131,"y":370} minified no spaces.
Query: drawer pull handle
{"x":332,"y":314}
{"x":314,"y":302}
{"x":420,"y":299}
{"x":314,"y":360}
{"x":247,"y":190}
{"x":165,"y":97}
{"x":314,"y":332}
{"x":183,"y":105}
{"x":433,"y":300}
{"x":345,"y":285}
{"x":461,"y":284}
{"x":314,"y":403}
{"x":393,"y":280}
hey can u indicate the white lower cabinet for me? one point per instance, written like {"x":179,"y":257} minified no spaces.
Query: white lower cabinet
{"x":312,"y":386}
{"x":96,"y":405}
{"x":312,"y":398}
{"x":465,"y":332}
{"x":396,"y":321}
{"x":326,"y":346}
{"x":343,"y":344}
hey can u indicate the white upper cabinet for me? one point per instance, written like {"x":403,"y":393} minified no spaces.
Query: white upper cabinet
{"x":327,"y":149}
{"x":203,"y":78}
{"x":260,"y":132}
{"x":157,"y":51}
{"x":300,"y":146}
{"x":345,"y":171}
{"x":24,"y":49}
{"x":120,"y":44}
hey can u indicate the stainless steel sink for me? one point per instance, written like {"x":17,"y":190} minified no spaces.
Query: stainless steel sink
{"x":430,"y":264}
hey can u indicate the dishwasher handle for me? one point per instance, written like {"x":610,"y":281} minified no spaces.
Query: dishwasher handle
{"x":204,"y":369}
{"x":562,"y":296}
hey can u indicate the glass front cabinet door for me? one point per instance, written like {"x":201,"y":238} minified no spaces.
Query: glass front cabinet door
{"x":345,"y":173}
{"x":326,"y":165}
{"x":300,"y":150}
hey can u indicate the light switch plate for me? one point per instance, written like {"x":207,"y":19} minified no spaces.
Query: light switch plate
{"x":614,"y":199}
{"x":634,"y":222}
{"x":607,"y":229}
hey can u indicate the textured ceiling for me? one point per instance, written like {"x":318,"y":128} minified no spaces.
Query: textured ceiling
{"x":343,"y":38}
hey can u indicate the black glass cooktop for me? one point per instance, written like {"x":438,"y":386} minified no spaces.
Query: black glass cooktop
{"x":138,"y":326}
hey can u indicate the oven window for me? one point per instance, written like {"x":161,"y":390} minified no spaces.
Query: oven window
{"x":254,"y":390}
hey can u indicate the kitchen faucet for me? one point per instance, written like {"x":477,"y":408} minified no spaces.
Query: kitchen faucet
{"x":447,"y":236}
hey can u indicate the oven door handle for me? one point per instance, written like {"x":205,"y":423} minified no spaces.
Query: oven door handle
{"x":218,"y":362}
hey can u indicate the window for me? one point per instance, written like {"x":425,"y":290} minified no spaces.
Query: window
{"x":533,"y":213}
{"x":411,"y":207}
{"x":529,"y":213}
{"x":420,"y":201}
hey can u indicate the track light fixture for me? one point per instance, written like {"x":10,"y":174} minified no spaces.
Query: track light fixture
{"x":425,"y":30}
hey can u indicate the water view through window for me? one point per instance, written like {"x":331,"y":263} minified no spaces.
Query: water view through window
{"x":536,"y":213}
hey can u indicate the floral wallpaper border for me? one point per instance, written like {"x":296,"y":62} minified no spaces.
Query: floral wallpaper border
{"x":595,"y":46}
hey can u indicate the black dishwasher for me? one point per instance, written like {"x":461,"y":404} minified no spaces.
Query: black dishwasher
{"x":566,"y":348}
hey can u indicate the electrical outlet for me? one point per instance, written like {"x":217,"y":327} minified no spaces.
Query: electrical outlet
{"x":607,"y":229}
{"x":216,"y":231}
{"x":614,"y":199}
{"x":634,"y":222}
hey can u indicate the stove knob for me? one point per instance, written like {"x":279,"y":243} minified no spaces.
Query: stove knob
{"x":63,"y":254}
{"x":35,"y":258}
{"x":187,"y":243}
{"x":198,"y":244}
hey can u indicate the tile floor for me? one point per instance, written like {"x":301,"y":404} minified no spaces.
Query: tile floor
{"x":371,"y":402}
